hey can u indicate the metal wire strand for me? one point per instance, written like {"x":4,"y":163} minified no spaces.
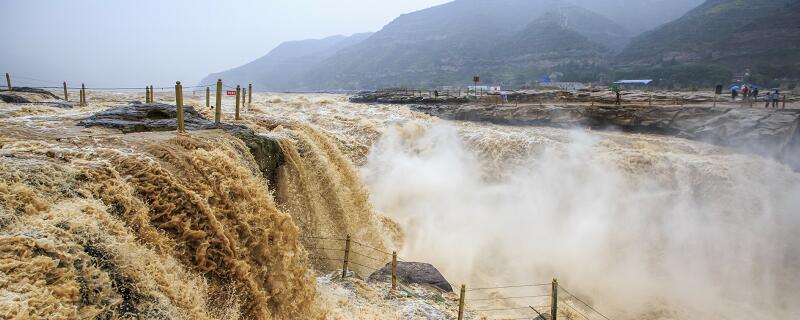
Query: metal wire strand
{"x":373,"y":248}
{"x":513,"y":286}
{"x":499,"y":309}
{"x":581,"y":301}
{"x":366,"y":256}
{"x":576,"y":310}
{"x":329,"y":249}
{"x":509,"y":298}
{"x":322,"y":238}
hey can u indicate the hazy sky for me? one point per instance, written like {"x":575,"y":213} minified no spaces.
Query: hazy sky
{"x":139,"y":42}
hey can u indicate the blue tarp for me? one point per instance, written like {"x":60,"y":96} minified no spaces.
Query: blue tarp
{"x":644,"y":82}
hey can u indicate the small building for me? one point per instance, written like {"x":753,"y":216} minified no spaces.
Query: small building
{"x":484,"y":89}
{"x":638,"y":84}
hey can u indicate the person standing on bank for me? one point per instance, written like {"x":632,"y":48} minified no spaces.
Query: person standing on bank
{"x":615,"y":89}
{"x":776,"y":97}
{"x":734,"y":93}
{"x":768,"y":99}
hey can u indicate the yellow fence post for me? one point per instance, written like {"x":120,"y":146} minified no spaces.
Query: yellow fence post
{"x":249,"y":94}
{"x":554,"y":301}
{"x":461,"y":302}
{"x":208,"y":97}
{"x":346,"y":256}
{"x":394,"y":270}
{"x":238,"y":93}
{"x":66,"y":94}
{"x":179,"y":105}
{"x":218,"y":110}
{"x":8,"y":81}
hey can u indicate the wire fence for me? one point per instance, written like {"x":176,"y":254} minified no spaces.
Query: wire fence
{"x":501,"y":302}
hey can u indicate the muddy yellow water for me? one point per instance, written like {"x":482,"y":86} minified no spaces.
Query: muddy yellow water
{"x":96,"y":224}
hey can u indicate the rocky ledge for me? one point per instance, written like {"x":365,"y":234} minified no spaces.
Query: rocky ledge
{"x":163,"y":117}
{"x":763,"y":131}
{"x":397,"y":97}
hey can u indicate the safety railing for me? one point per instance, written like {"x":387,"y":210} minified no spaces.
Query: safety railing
{"x":506,"y":302}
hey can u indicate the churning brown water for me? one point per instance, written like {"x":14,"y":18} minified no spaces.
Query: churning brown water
{"x":645,"y":227}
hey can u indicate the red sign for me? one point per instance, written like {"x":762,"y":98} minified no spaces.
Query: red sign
{"x":231,"y":92}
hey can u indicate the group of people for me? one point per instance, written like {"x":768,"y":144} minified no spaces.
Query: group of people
{"x":751,"y":92}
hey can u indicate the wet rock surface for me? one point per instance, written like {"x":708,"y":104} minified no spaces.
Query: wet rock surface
{"x":13,"y":98}
{"x":137,"y":117}
{"x":413,"y":272}
{"x":393,"y":97}
{"x":35,"y":90}
{"x":763,"y":131}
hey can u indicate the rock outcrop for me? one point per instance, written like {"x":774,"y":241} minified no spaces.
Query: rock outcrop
{"x":405,"y":97}
{"x":13,"y":98}
{"x":37,"y":91}
{"x":413,"y":272}
{"x":768,"y":132}
{"x":163,"y":117}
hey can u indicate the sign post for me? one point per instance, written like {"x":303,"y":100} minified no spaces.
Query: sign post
{"x":476,"y":79}
{"x":717,"y":92}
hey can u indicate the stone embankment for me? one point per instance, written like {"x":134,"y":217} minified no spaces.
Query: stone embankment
{"x":767,"y":132}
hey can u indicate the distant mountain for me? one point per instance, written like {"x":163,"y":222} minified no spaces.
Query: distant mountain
{"x":723,"y":37}
{"x":447,"y":44}
{"x":282,"y":69}
{"x":507,"y":42}
{"x":639,"y":15}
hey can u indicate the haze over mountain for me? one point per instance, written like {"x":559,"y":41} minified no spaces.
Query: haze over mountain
{"x":443,"y":45}
{"x":283,"y":67}
{"x":640,"y":15}
{"x":516,"y":42}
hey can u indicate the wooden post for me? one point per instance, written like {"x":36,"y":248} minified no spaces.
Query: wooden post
{"x":784,"y":102}
{"x":66,"y":94}
{"x":461,"y":302}
{"x":238,"y":93}
{"x":8,"y":81}
{"x":554,"y":301}
{"x":346,"y":256}
{"x":249,"y":94}
{"x":394,"y":270}
{"x":179,"y":105}
{"x":208,"y":97}
{"x":218,"y":110}
{"x":147,"y":94}
{"x":83,"y":95}
{"x":244,"y":98}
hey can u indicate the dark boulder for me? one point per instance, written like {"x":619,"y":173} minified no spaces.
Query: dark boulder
{"x":37,"y":91}
{"x":139,"y":117}
{"x":13,"y":98}
{"x":146,"y":117}
{"x":412,"y":272}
